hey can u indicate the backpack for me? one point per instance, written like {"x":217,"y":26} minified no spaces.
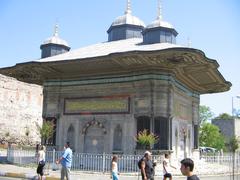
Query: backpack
{"x":140,"y":162}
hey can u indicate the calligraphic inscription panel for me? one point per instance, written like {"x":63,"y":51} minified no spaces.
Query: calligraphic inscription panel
{"x":97,"y":105}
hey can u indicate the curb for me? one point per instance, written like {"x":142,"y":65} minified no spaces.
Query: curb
{"x":25,"y":176}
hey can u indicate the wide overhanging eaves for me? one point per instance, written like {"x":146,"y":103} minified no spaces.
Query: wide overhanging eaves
{"x":187,"y":65}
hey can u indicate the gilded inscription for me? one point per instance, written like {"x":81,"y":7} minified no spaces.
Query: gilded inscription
{"x":97,"y":105}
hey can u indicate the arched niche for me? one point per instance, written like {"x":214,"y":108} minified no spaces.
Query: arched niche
{"x":117,"y":138}
{"x":71,"y":136}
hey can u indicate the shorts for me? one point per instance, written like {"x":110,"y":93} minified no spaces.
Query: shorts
{"x":168,"y":175}
{"x":40,"y":169}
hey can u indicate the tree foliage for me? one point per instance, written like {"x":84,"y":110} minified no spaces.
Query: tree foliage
{"x":146,"y":139}
{"x":224,"y":116}
{"x":210,"y":136}
{"x":205,"y":114}
{"x":46,"y":130}
{"x":234,"y":144}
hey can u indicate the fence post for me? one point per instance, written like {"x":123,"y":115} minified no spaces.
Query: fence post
{"x":104,"y":156}
{"x":53,"y":156}
{"x":10,"y":153}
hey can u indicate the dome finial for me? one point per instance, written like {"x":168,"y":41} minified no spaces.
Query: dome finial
{"x":159,"y":14}
{"x":128,"y":10}
{"x":55,"y":30}
{"x":189,"y":43}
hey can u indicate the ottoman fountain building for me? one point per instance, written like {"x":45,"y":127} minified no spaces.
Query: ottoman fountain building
{"x":101,"y":95}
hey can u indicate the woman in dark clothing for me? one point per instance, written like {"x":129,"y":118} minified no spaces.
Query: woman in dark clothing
{"x":41,"y":162}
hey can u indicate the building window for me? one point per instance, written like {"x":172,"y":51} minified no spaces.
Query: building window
{"x":161,"y":129}
{"x":143,"y":122}
{"x":168,"y":37}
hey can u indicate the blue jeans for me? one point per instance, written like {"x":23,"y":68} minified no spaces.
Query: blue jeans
{"x":114,"y":176}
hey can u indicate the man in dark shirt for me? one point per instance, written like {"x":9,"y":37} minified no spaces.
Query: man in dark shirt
{"x":147,"y":167}
{"x":187,"y":166}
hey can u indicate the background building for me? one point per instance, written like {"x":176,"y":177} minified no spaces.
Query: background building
{"x":228,"y":127}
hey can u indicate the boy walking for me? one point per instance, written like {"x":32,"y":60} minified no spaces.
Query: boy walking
{"x":187,"y":166}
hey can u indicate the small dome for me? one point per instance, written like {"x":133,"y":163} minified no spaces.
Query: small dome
{"x":128,"y":19}
{"x":54,"y":45}
{"x":160,"y":23}
{"x":55,"y":40}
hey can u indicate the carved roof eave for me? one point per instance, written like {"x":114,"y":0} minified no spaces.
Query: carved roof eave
{"x":190,"y":66}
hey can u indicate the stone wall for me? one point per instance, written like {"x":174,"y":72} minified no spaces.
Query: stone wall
{"x":20,"y":110}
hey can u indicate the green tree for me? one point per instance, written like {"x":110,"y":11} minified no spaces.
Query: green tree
{"x":210,"y":136}
{"x":46,"y":131}
{"x":205,"y":114}
{"x":224,"y":116}
{"x":146,"y":139}
{"x":234,"y":144}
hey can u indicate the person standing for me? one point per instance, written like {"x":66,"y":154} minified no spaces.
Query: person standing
{"x":66,"y":162}
{"x":187,"y":166}
{"x":114,"y":168}
{"x":41,"y":161}
{"x":147,"y":168}
{"x":167,"y":167}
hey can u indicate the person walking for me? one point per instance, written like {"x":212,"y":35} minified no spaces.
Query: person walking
{"x":41,"y":161}
{"x":187,"y":166}
{"x":147,"y":167}
{"x":114,"y":168}
{"x":167,"y":167}
{"x":66,"y":162}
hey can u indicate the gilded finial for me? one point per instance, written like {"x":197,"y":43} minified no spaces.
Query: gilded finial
{"x":55,"y":30}
{"x":159,"y":14}
{"x":189,"y":43}
{"x":128,"y":9}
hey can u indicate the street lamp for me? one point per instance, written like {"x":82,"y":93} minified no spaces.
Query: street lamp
{"x":238,"y":96}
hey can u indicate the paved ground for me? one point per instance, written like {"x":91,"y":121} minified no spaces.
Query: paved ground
{"x":207,"y":171}
{"x":7,"y":178}
{"x":30,"y":173}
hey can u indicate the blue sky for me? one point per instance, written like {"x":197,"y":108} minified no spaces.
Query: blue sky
{"x":213,"y":26}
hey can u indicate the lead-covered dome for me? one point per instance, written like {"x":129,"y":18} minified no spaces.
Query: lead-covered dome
{"x":54,"y":45}
{"x":126,"y":26}
{"x":55,"y":40}
{"x":128,"y":18}
{"x":159,"y":31}
{"x":159,"y":23}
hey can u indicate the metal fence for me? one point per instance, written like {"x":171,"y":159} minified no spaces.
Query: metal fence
{"x":100,"y":162}
{"x":81,"y":161}
{"x":126,"y":163}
